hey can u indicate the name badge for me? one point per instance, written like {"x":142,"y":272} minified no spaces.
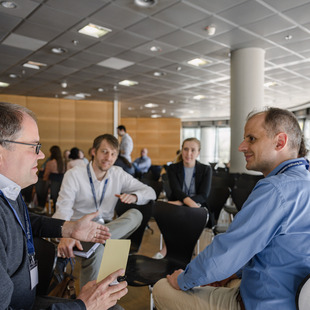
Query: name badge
{"x":34,"y":275}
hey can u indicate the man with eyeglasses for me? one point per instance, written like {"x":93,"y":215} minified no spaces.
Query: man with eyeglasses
{"x":99,"y":186}
{"x":19,"y":154}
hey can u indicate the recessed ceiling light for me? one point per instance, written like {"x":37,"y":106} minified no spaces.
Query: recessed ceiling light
{"x":101,"y":90}
{"x":159,"y":73}
{"x":128,"y":83}
{"x":289,"y":37}
{"x":3,"y":84}
{"x":8,"y":4}
{"x":75,"y":42}
{"x":13,"y":76}
{"x":34,"y":65}
{"x":271,"y":84}
{"x":145,"y":3}
{"x":191,"y":112}
{"x":131,"y":108}
{"x":199,"y":62}
{"x":171,"y":101}
{"x":163,"y":111}
{"x":210,"y":30}
{"x":199,"y":97}
{"x":155,"y":49}
{"x":64,"y":84}
{"x":64,"y":92}
{"x":151,"y":105}
{"x":179,"y":68}
{"x":94,"y":30}
{"x":59,"y":50}
{"x":155,"y":115}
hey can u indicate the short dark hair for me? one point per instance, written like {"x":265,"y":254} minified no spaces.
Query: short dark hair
{"x":74,"y":153}
{"x":11,"y":118}
{"x":112,"y":141}
{"x":281,"y":120}
{"x":121,"y":127}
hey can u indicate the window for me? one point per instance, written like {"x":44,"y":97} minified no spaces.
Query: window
{"x":215,"y":142}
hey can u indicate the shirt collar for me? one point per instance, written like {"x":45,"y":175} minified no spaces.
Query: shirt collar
{"x":93,"y":175}
{"x":287,"y":162}
{"x":9,"y":188}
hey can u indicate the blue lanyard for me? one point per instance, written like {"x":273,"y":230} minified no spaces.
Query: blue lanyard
{"x":299,"y":162}
{"x":93,"y":188}
{"x":27,"y":231}
{"x":187,"y":189}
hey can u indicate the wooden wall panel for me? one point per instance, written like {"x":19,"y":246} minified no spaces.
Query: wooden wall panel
{"x":67,"y":123}
{"x":160,"y":136}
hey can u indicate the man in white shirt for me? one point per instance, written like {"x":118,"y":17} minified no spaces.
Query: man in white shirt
{"x":126,"y":145}
{"x":98,"y":186}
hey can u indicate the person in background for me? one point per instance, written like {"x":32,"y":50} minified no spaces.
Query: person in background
{"x":125,"y":164}
{"x":143,"y":163}
{"x":189,"y":180}
{"x":126,"y":145}
{"x":99,"y":186}
{"x":55,"y":164}
{"x":66,"y":158}
{"x":82,"y":156}
{"x":20,"y":151}
{"x":75,"y":159}
{"x":267,"y":244}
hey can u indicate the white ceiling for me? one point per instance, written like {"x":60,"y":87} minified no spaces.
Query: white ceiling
{"x":178,"y":28}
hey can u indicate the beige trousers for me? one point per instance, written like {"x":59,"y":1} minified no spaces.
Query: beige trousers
{"x":198,"y":298}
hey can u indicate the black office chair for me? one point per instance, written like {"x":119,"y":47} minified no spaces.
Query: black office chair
{"x":181,"y":228}
{"x":46,"y":254}
{"x":156,"y":185}
{"x":146,"y":210}
{"x":219,"y":194}
{"x":166,"y":185}
{"x":242,"y":187}
{"x":302,"y":297}
{"x":55,"y":180}
{"x":42,"y":191}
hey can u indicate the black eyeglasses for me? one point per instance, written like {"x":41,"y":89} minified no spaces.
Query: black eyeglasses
{"x":37,"y":145}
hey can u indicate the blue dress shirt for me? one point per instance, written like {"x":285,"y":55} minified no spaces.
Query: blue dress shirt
{"x":268,"y":240}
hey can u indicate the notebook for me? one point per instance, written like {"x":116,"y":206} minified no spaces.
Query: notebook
{"x":115,"y":256}
{"x":88,"y":249}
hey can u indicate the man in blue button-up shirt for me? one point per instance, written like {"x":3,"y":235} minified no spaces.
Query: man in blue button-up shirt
{"x":268,"y":243}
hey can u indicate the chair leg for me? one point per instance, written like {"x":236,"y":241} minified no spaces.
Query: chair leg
{"x":152,"y":307}
{"x":198,"y":246}
{"x":161,"y":242}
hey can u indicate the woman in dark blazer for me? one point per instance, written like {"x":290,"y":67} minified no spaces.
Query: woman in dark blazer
{"x":189,"y":180}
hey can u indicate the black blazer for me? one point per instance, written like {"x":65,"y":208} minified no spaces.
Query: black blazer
{"x":203,"y":179}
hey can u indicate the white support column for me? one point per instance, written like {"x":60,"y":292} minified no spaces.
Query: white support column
{"x":247,"y":94}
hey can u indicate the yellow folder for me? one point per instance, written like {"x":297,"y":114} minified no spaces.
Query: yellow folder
{"x":115,"y":256}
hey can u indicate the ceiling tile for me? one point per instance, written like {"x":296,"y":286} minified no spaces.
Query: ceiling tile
{"x":186,"y":14}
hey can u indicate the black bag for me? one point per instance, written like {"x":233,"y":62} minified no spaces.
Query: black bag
{"x":63,"y":283}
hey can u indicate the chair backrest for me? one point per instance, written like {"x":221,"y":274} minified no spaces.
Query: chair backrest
{"x":156,"y":185}
{"x":166,"y":185}
{"x":181,"y":227}
{"x":42,"y":190}
{"x":46,"y":254}
{"x":219,"y":193}
{"x":146,"y":210}
{"x":55,"y":184}
{"x":242,"y":188}
{"x":302,"y":298}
